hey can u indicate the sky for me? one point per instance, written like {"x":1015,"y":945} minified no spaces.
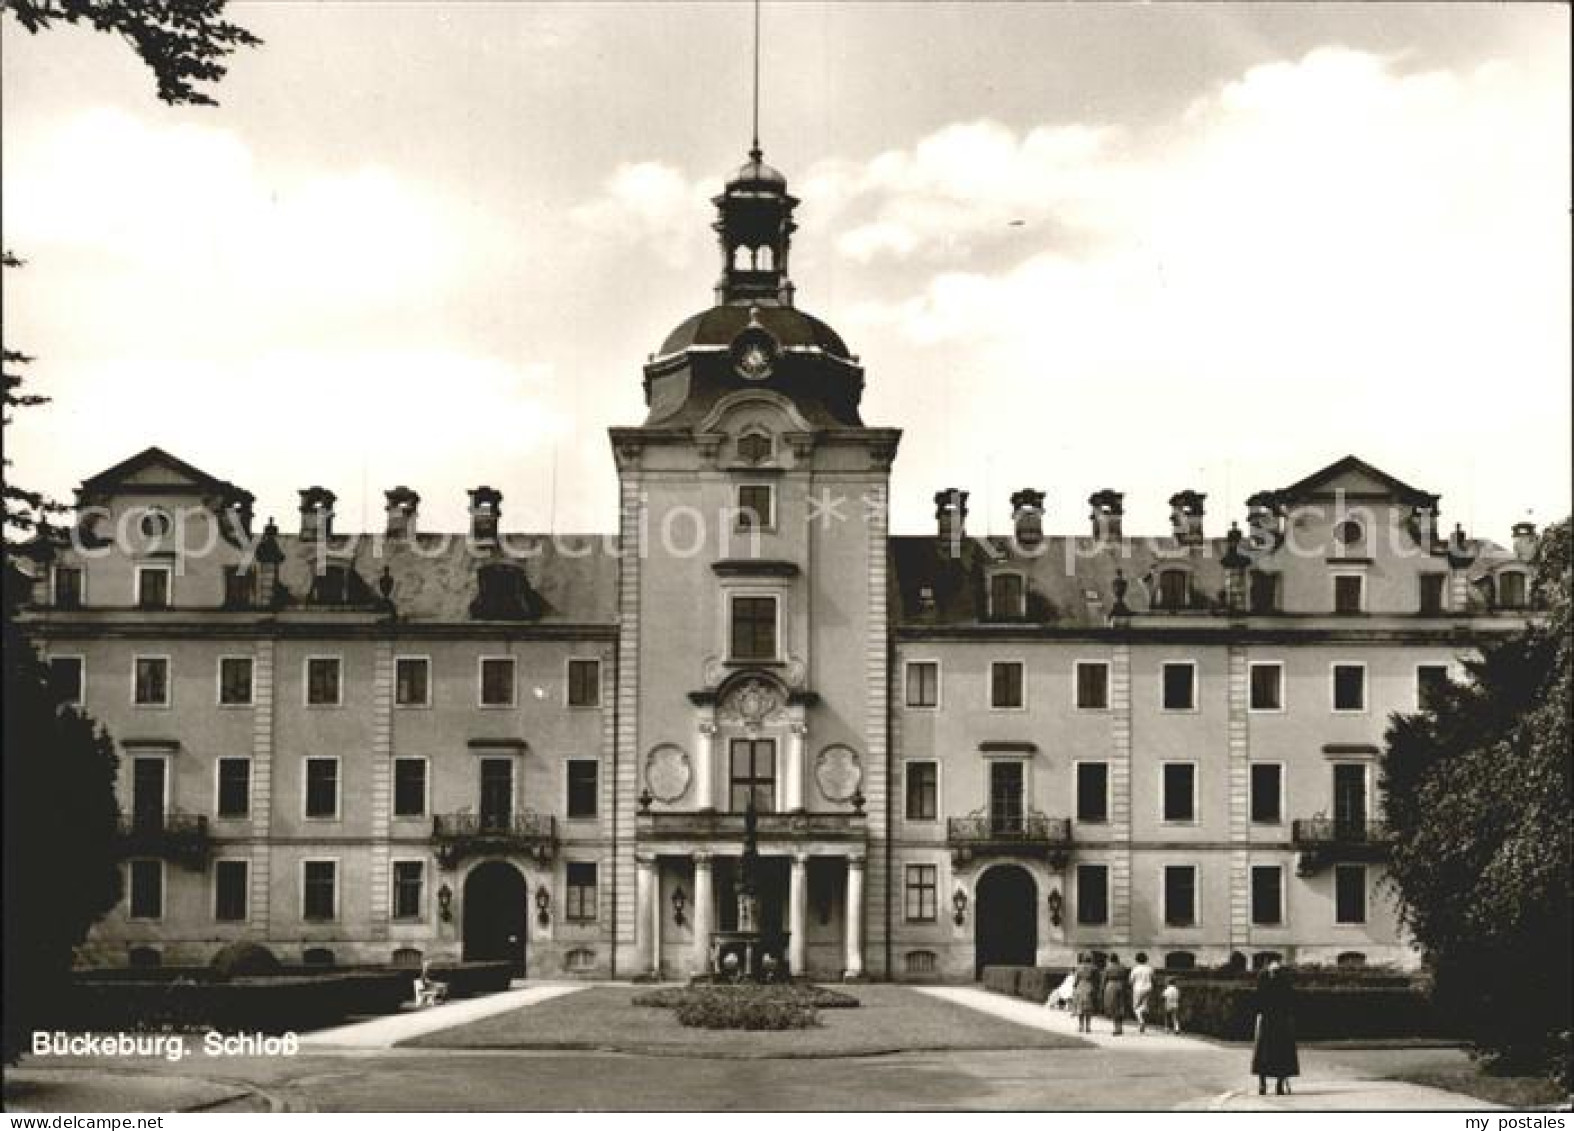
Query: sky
{"x":1146,"y":247}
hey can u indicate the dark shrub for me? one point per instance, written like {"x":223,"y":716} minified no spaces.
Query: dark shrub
{"x":243,"y":960}
{"x":706,"y":1008}
{"x":467,"y":979}
{"x":267,"y":1004}
{"x":790,"y":993}
{"x":1227,"y":1009}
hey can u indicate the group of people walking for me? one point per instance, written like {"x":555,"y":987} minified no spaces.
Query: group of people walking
{"x":1117,"y":991}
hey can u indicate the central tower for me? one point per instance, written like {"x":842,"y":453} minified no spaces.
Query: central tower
{"x":752,"y":621}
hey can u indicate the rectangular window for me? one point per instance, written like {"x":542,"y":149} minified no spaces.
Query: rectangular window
{"x":1511,"y":590}
{"x":1093,"y":792}
{"x":1267,"y":895}
{"x":231,"y":884}
{"x":1349,"y":682}
{"x":408,"y":879}
{"x":1267,"y":793}
{"x":1005,"y":683}
{"x":1348,"y":589}
{"x":150,"y":681}
{"x":921,"y":892}
{"x":149,"y":791}
{"x":581,"y":877}
{"x":923,"y":791}
{"x":65,"y":679}
{"x":153,"y":587}
{"x":923,"y":683}
{"x":1180,"y":686}
{"x":584,"y":683}
{"x":584,"y":776}
{"x":1174,"y":589}
{"x":1267,"y":687}
{"x":412,"y":681}
{"x":1431,"y":680}
{"x":409,"y":799}
{"x":1092,"y":685}
{"x":1092,"y":895}
{"x":497,"y":793}
{"x":753,"y":774}
{"x":68,"y":587}
{"x":1432,"y":593}
{"x":322,"y":681}
{"x":240,"y":587}
{"x":1007,"y":796}
{"x":1007,"y":598}
{"x":754,"y":628}
{"x":756,"y":507}
{"x":1349,"y":893}
{"x":322,"y":788}
{"x":234,"y":788}
{"x":497,"y":681}
{"x":147,"y":889}
{"x":235,"y":681}
{"x":1264,"y":594}
{"x":1180,"y":895}
{"x":1180,"y":792}
{"x":319,"y":889}
{"x":1350,"y":800}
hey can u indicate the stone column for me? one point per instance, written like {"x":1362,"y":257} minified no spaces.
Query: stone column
{"x":798,"y":915}
{"x":645,"y":943}
{"x":704,"y":760}
{"x":655,"y":917}
{"x":704,"y":912}
{"x":855,"y":917}
{"x":792,"y":769}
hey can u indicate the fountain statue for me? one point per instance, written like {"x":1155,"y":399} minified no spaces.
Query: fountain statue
{"x":746,"y":954}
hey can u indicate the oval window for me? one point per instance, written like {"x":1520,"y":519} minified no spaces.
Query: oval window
{"x":155,"y":524}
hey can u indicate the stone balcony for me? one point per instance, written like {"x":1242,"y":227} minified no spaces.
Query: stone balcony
{"x":1031,"y":834}
{"x":181,"y":837}
{"x":456,"y":836}
{"x":709,"y":825}
{"x":1321,"y":841}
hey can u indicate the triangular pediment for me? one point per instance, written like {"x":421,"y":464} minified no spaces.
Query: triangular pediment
{"x":1354,"y":478}
{"x":156,"y":470}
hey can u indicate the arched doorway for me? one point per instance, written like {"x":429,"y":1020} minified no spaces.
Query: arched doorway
{"x":1005,"y":918}
{"x":496,"y":911}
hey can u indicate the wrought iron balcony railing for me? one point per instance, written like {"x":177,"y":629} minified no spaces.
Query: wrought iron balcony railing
{"x":711,"y":825}
{"x":994,"y":834}
{"x":458,"y":835}
{"x":1320,"y":841}
{"x":182,"y":837}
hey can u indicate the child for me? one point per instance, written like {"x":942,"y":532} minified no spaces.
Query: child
{"x":1172,"y":1005}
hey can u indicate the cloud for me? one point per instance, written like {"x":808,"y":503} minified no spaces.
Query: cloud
{"x":653,"y":206}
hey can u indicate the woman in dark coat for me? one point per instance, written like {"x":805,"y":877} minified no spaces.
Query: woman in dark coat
{"x":1273,"y":1050}
{"x":1117,"y":992}
{"x":1085,"y":995}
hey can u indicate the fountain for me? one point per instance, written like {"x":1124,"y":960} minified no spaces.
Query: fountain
{"x":747,"y":953}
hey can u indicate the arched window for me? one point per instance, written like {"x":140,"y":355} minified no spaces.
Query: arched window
{"x":762,"y":258}
{"x":144,"y":957}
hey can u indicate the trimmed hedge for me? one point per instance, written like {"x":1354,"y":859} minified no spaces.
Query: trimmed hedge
{"x":1227,"y":1009}
{"x":269,"y":1005}
{"x":468,"y":979}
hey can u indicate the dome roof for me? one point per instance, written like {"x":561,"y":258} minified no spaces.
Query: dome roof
{"x":719,"y":325}
{"x":755,"y":173}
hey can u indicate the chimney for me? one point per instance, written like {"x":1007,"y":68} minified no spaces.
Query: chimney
{"x":951,"y":514}
{"x":1108,"y":509}
{"x":1461,"y":556}
{"x":1186,"y":517}
{"x":1265,"y":518}
{"x":1525,"y":541}
{"x":486,"y":511}
{"x":317,"y":514}
{"x":1027,"y":516}
{"x":403,"y":506}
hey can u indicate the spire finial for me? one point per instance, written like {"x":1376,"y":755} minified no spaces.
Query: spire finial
{"x":755,"y":152}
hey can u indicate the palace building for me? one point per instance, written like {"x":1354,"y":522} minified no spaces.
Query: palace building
{"x":963,"y":750}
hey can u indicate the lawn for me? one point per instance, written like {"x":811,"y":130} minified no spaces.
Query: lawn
{"x":1510,"y":1091}
{"x":889,"y":1019}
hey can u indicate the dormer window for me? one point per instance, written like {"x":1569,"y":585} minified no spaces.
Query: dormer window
{"x":68,"y":587}
{"x":240,"y":587}
{"x":1007,"y":597}
{"x":1174,"y":589}
{"x":502,"y":593}
{"x":155,"y":525}
{"x":1349,"y":593}
{"x":153,"y":587}
{"x":332,"y":586}
{"x":1511,"y":592}
{"x":1264,"y":592}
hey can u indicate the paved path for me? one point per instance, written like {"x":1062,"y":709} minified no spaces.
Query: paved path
{"x":1036,"y":1016}
{"x":385,"y":1032}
